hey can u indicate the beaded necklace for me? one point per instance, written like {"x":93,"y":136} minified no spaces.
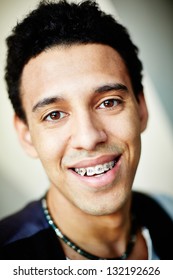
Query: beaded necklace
{"x":82,"y":252}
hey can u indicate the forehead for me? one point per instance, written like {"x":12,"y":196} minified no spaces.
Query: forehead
{"x":68,"y":69}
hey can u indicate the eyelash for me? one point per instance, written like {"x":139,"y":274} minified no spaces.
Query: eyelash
{"x":114,"y":100}
{"x":53,"y":113}
{"x":118,"y":101}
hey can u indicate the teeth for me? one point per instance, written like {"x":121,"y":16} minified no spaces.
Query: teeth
{"x":106,"y":166}
{"x":98,"y":169}
{"x":81,"y":171}
{"x":111,"y":164}
{"x":90,"y":171}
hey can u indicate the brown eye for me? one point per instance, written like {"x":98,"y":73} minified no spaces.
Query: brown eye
{"x":109,"y":103}
{"x":55,"y":116}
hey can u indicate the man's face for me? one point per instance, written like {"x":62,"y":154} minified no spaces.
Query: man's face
{"x":84,"y":123}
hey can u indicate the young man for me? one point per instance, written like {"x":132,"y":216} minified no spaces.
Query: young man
{"x":75,"y":83}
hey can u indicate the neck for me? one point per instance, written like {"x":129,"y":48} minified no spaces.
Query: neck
{"x":106,"y":236}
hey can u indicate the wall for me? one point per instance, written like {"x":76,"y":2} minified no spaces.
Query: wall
{"x":23,"y":179}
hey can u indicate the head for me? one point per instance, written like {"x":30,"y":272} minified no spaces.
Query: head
{"x":74,"y":79}
{"x":64,"y":24}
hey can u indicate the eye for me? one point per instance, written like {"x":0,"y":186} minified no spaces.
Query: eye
{"x":109,"y":103}
{"x":55,"y":116}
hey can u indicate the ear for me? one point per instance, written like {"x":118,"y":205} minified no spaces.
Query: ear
{"x":143,"y":111}
{"x":23,"y":132}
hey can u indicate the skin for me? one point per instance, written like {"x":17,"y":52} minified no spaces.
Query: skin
{"x":81,"y":111}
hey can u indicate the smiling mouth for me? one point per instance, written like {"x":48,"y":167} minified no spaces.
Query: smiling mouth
{"x":97,"y":169}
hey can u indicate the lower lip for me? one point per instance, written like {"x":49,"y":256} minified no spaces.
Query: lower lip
{"x":101,"y":180}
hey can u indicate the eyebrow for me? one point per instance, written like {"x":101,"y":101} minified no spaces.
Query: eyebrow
{"x":46,"y":101}
{"x":110,"y":87}
{"x":101,"y":89}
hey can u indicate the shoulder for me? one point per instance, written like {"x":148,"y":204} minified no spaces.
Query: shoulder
{"x":22,"y":224}
{"x":148,"y":202}
{"x":42,"y":245}
{"x":152,"y":209}
{"x":154,"y":212}
{"x":165,"y":201}
{"x":27,"y":235}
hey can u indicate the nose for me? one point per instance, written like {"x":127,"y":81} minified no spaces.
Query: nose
{"x":87,"y":133}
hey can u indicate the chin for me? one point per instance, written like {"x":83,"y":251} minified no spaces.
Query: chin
{"x":102,"y":209}
{"x":113,"y":203}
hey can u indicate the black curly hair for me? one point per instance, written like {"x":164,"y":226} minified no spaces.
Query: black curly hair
{"x":63,"y":23}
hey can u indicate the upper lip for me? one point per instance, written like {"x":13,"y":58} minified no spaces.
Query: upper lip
{"x":95,"y":161}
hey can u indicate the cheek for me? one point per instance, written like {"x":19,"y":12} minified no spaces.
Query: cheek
{"x":125,"y":128}
{"x":50,"y":145}
{"x":125,"y":131}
